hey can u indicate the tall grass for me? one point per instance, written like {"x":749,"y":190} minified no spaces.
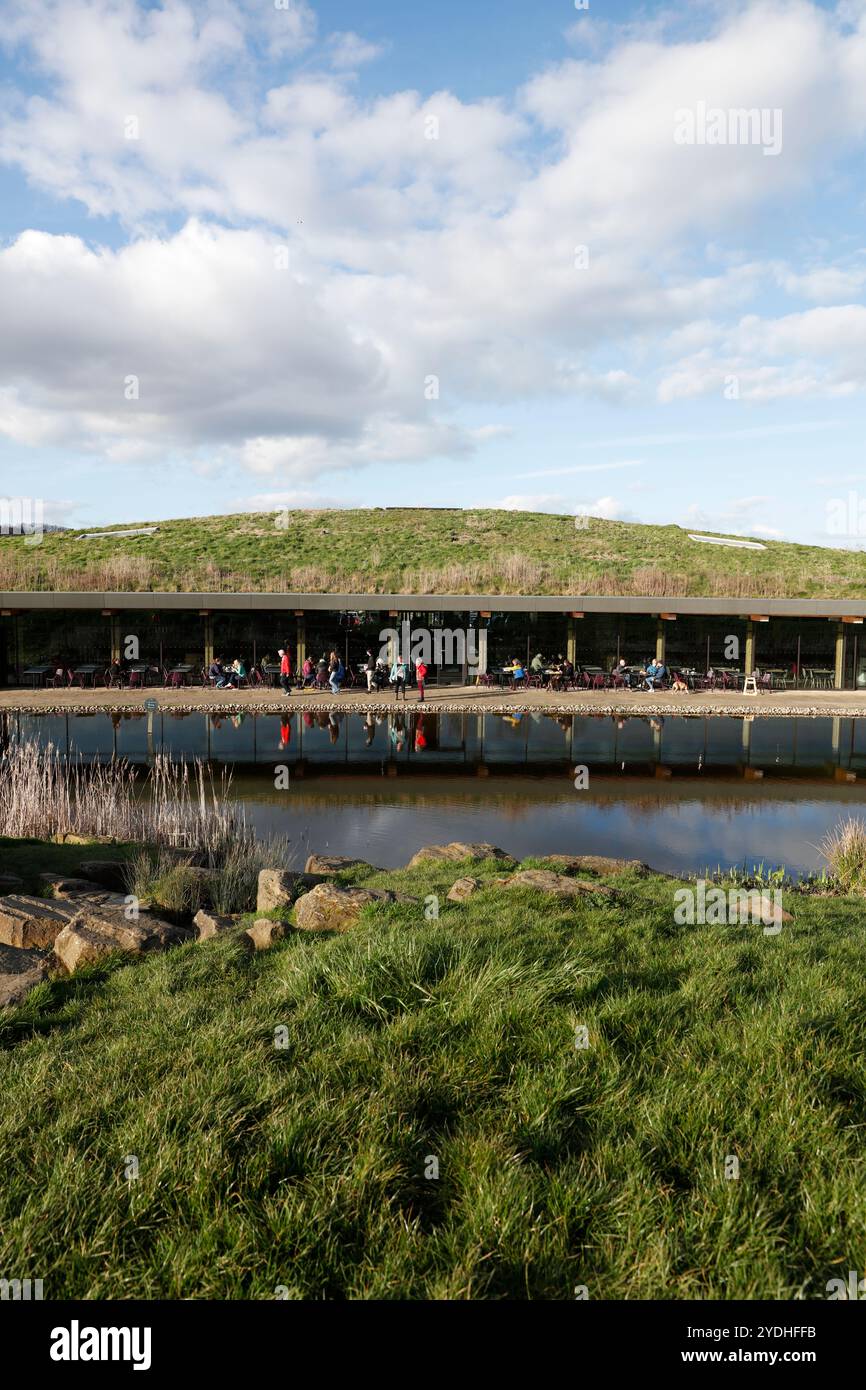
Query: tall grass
{"x":844,"y":848}
{"x":178,"y":804}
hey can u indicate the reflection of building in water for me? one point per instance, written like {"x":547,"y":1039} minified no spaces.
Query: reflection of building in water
{"x":419,"y":737}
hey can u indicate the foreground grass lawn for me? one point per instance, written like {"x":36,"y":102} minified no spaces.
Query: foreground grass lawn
{"x":407,"y":1040}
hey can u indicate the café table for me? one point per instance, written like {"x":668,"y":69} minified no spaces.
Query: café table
{"x":821,"y":676}
{"x":141,"y":669}
{"x":271,"y":672}
{"x":184,"y":671}
{"x":37,"y":674}
{"x":86,"y":673}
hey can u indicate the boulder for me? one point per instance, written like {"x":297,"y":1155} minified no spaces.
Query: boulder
{"x":111,"y":873}
{"x":544,"y":881}
{"x":330,"y":907}
{"x":208,"y":924}
{"x":594,"y":864}
{"x":279,"y":887}
{"x":28,"y":922}
{"x":264,"y":933}
{"x":81,"y":890}
{"x":68,"y":837}
{"x":326,"y":865}
{"x":10,"y":883}
{"x":455,"y":851}
{"x":463,"y":889}
{"x":20,"y":970}
{"x":759,"y":907}
{"x":97,"y":932}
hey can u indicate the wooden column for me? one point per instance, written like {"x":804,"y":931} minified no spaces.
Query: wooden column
{"x":750,"y":647}
{"x":840,"y":656}
{"x":300,"y":642}
{"x":208,"y":639}
{"x":660,"y":640}
{"x":571,"y":640}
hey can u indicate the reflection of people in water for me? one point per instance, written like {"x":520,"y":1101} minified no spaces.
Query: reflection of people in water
{"x":308,"y":718}
{"x":420,"y":735}
{"x":513,"y":719}
{"x":397,"y":733}
{"x":216,"y":720}
{"x":369,"y":724}
{"x":285,"y":732}
{"x":333,"y":727}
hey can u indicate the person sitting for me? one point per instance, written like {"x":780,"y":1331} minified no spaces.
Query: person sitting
{"x":518,"y":673}
{"x":216,"y":673}
{"x":567,"y":669}
{"x":661,"y":672}
{"x":621,"y":673}
{"x":308,"y":671}
{"x":322,"y":671}
{"x":536,"y":665}
{"x":236,"y":673}
{"x":649,"y":674}
{"x":116,"y":672}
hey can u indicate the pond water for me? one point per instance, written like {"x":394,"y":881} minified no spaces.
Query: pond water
{"x":682,"y":793}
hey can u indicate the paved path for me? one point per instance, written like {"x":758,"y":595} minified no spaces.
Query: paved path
{"x":467,"y":699}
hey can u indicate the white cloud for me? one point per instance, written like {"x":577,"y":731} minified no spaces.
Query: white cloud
{"x":532,"y":502}
{"x":582,"y":468}
{"x":350,"y":51}
{"x":426,"y":235}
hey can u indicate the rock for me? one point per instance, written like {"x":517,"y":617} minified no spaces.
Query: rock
{"x":543,"y":881}
{"x":96,"y":932}
{"x":264,"y":933}
{"x":456,"y":850}
{"x":758,"y":907}
{"x":10,"y":883}
{"x":595,"y":863}
{"x":111,"y":873}
{"x":67,"y":837}
{"x":20,"y":970}
{"x":210,"y":924}
{"x":330,"y":907}
{"x":463,"y":889}
{"x":81,"y":889}
{"x":325,"y":865}
{"x":278,"y":887}
{"x":28,"y":922}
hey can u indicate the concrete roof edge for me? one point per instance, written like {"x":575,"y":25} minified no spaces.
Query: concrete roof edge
{"x":515,"y":603}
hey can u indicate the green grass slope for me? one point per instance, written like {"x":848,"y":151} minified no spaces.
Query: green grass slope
{"x":303,"y":1166}
{"x":394,"y":550}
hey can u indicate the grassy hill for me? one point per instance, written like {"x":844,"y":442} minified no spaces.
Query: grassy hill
{"x":422,"y":550}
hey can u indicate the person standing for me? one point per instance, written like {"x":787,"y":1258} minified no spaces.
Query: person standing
{"x":370,"y":670}
{"x":421,"y":676}
{"x":336,"y":673}
{"x":285,"y":671}
{"x":398,"y":678}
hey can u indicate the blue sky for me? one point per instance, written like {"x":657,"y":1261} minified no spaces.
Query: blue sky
{"x":453,"y":254}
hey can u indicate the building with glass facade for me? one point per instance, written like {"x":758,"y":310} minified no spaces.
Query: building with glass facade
{"x":808,"y":642}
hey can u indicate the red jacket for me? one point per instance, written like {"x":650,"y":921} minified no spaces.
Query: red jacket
{"x":286,"y":665}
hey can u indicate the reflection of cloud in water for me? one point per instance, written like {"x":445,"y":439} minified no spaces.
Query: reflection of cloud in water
{"x":678,"y":835}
